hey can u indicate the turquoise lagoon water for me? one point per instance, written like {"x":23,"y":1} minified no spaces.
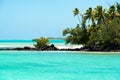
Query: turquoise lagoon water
{"x":57,"y":65}
{"x":22,"y":43}
{"x":33,"y":65}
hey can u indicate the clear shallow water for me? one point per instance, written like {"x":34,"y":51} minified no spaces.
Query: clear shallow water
{"x":21,"y":65}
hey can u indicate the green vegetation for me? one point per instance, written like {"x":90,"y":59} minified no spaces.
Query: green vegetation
{"x":98,"y":26}
{"x":41,"y":42}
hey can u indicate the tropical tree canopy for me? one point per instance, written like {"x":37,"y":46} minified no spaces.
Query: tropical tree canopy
{"x":99,"y":26}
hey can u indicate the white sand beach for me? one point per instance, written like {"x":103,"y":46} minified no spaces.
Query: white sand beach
{"x":68,"y":46}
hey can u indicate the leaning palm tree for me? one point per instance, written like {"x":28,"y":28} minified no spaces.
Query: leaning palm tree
{"x":74,"y":35}
{"x":77,"y":13}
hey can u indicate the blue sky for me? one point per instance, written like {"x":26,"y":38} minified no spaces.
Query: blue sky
{"x":28,"y":19}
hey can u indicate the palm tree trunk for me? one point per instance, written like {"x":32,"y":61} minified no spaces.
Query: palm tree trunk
{"x":79,"y":19}
{"x":105,"y":23}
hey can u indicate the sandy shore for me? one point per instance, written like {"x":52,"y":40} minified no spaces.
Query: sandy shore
{"x":68,"y":46}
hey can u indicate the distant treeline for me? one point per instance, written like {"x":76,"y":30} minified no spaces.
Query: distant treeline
{"x":55,"y":38}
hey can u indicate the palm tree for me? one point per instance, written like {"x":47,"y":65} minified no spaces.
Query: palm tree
{"x":75,"y":35}
{"x":92,"y":30}
{"x":118,"y":10}
{"x":99,"y":15}
{"x":66,"y":31}
{"x":111,"y":12}
{"x":77,"y":13}
{"x":89,"y":15}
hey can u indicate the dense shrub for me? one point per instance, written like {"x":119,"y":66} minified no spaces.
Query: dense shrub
{"x":41,"y":42}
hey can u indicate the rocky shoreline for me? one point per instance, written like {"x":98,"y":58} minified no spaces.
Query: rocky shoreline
{"x":98,"y":48}
{"x":43,"y":48}
{"x":101,"y":48}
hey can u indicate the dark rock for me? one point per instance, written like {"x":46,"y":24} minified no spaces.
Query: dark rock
{"x":101,"y":48}
{"x":52,"y":45}
{"x":18,"y":48}
{"x":27,"y":47}
{"x":47,"y":48}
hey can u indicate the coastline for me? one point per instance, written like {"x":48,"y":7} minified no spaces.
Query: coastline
{"x":61,"y":48}
{"x":56,"y":45}
{"x":45,"y":48}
